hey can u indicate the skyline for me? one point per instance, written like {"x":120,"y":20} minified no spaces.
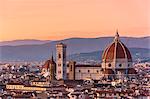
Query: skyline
{"x":72,"y":38}
{"x":56,"y":20}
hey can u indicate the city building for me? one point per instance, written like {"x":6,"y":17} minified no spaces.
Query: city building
{"x":61,"y":67}
{"x":117,"y":60}
{"x":49,"y":69}
{"x":116,"y":77}
{"x":116,"y":64}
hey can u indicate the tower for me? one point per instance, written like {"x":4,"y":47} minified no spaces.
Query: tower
{"x":52,"y":69}
{"x":71,"y":67}
{"x":61,"y":68}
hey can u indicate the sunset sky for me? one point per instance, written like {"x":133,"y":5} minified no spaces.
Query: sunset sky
{"x":59,"y":19}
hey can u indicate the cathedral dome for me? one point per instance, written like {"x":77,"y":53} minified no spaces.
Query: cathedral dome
{"x":116,"y":50}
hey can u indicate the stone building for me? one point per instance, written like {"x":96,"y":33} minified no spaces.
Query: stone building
{"x":61,"y":70}
{"x":117,"y":60}
{"x":83,"y":72}
{"x":49,"y":69}
{"x":116,"y":63}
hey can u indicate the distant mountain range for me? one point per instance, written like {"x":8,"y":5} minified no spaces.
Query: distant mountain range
{"x":42,"y":50}
{"x":23,"y":42}
{"x":138,"y":54}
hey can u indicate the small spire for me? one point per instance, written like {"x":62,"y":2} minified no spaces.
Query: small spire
{"x":52,"y":57}
{"x":116,"y":36}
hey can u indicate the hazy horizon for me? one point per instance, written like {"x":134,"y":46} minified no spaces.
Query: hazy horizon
{"x":71,"y":38}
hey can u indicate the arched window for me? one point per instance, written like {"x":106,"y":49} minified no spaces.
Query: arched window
{"x":59,"y":55}
{"x":97,"y":71}
{"x":59,"y":65}
{"x":59,"y":72}
{"x":70,"y":67}
{"x":109,"y":65}
{"x":79,"y":71}
{"x":120,"y":65}
{"x":128,"y":65}
{"x":88,"y":71}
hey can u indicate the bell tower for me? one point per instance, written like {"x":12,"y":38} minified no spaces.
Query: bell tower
{"x":61,"y":68}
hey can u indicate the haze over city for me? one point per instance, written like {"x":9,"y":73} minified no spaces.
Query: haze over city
{"x":55,"y":19}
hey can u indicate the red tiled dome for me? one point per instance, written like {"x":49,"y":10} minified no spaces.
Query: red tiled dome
{"x":116,"y":50}
{"x":48,"y":62}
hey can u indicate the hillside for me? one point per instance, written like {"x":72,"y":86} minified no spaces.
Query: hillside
{"x":137,"y":53}
{"x":74,"y":45}
{"x":23,"y":42}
